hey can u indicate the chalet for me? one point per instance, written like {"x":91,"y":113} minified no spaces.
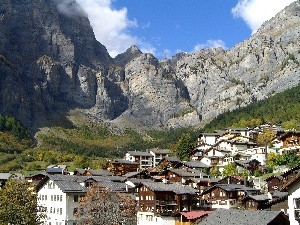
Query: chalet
{"x":245,"y":217}
{"x":168,"y":162}
{"x":160,"y":202}
{"x":182,"y":175}
{"x":250,"y":165}
{"x":144,"y":159}
{"x":35,"y":178}
{"x":227,"y":195}
{"x":279,"y":201}
{"x":90,"y":172}
{"x":120,"y":167}
{"x":256,"y":202}
{"x":290,"y":139}
{"x":274,"y":183}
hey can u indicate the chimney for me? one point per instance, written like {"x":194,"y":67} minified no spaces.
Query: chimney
{"x":246,"y":181}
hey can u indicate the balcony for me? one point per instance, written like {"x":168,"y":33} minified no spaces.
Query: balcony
{"x":163,"y":203}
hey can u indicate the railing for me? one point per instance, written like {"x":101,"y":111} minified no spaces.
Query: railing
{"x":158,"y":202}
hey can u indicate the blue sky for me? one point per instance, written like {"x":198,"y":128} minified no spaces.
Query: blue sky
{"x":166,"y":27}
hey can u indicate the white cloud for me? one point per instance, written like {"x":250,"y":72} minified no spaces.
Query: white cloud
{"x":111,"y":26}
{"x":255,"y":12}
{"x":210,"y":44}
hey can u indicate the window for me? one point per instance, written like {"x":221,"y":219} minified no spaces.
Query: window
{"x":61,"y":198}
{"x":51,"y":210}
{"x":60,"y":211}
{"x":75,"y":198}
{"x":54,"y":197}
{"x":149,"y":217}
{"x":184,"y":197}
{"x":45,"y":197}
{"x":297,"y":208}
{"x":75,"y":211}
{"x":51,"y":197}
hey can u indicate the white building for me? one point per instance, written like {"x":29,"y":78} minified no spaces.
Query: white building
{"x":293,"y":188}
{"x":158,"y":154}
{"x":145,"y":159}
{"x":60,"y":195}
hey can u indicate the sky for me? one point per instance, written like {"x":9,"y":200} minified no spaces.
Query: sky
{"x":167,"y":27}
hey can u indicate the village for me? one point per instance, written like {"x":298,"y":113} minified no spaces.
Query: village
{"x":169,"y":191}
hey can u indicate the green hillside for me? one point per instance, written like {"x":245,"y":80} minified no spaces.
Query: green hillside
{"x":281,"y":109}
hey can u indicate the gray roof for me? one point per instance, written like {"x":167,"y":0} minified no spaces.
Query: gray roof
{"x":259,"y":198}
{"x":171,"y":187}
{"x":139,"y":153}
{"x":230,"y":187}
{"x":124,"y":162}
{"x":54,"y":170}
{"x":131,"y":174}
{"x":183,"y":172}
{"x":241,"y":217}
{"x":70,"y":186}
{"x":171,"y":159}
{"x":5,"y":176}
{"x":101,"y":173}
{"x":160,"y":151}
{"x":196,"y":164}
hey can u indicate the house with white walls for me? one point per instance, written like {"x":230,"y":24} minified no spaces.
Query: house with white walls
{"x":293,"y":189}
{"x":60,"y":194}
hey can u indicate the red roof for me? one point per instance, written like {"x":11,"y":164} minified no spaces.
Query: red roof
{"x":195,"y":214}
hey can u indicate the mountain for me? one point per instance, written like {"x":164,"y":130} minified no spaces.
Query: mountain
{"x":52,"y":67}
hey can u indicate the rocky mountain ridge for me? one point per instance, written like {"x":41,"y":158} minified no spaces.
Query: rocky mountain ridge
{"x":51,"y":65}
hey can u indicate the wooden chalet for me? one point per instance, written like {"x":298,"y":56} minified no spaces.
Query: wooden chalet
{"x":227,"y":195}
{"x":165,"y":199}
{"x":274,"y":183}
{"x":290,"y":139}
{"x":120,"y":167}
{"x":256,"y":202}
{"x":168,"y":162}
{"x":90,"y":172}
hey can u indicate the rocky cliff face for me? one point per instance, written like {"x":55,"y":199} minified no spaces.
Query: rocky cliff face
{"x":51,"y":64}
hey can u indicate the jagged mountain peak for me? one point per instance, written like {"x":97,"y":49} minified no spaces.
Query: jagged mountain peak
{"x":52,"y":65}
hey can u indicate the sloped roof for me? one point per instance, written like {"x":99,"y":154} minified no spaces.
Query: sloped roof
{"x":123,"y":161}
{"x":160,"y":151}
{"x":196,"y":164}
{"x":229,"y":187}
{"x":5,"y":176}
{"x":172,"y":187}
{"x":258,"y":198}
{"x":70,"y":186}
{"x":243,"y":217}
{"x":195,"y":214}
{"x":100,"y":172}
{"x":139,"y":153}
